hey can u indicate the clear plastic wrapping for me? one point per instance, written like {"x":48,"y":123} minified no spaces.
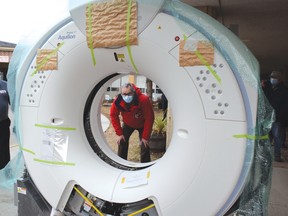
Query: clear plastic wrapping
{"x":254,"y":198}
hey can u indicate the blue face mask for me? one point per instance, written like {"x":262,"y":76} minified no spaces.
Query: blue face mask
{"x":127,"y":98}
{"x":273,"y":81}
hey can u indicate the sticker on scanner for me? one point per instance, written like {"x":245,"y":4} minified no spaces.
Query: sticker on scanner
{"x":135,"y":179}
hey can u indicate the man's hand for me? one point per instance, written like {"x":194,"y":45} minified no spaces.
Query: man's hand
{"x":145,"y":142}
{"x":120,"y":138}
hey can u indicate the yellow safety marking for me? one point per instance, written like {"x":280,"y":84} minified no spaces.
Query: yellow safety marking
{"x":123,"y":180}
{"x":22,"y":190}
{"x":252,"y":137}
{"x":121,"y":55}
{"x":27,"y":150}
{"x":88,"y":201}
{"x":55,"y":127}
{"x":148,"y":174}
{"x":90,"y":33}
{"x":127,"y":35}
{"x":141,"y":210}
{"x":54,"y":162}
{"x":44,"y":61}
{"x":203,"y":60}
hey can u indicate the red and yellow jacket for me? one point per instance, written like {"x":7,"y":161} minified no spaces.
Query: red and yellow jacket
{"x":138,"y":114}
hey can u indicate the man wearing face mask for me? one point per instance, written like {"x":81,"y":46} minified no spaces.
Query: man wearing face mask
{"x":277,"y":94}
{"x":137,"y":114}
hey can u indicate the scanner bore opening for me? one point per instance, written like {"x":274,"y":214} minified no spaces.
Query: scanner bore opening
{"x":88,"y":129}
{"x":89,"y":133}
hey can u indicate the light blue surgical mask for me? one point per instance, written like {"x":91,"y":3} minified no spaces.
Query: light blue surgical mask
{"x":127,"y":98}
{"x":274,"y":81}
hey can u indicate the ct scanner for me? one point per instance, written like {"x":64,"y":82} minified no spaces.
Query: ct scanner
{"x":214,"y":111}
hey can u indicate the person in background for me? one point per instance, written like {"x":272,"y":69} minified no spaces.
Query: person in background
{"x":277,"y":95}
{"x":4,"y":125}
{"x":137,"y":114}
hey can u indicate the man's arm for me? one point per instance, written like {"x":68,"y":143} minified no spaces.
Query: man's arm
{"x":148,"y":113}
{"x":115,"y":121}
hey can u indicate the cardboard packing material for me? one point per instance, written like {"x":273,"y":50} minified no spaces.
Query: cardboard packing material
{"x":106,"y":23}
{"x":188,"y":57}
{"x":47,"y":59}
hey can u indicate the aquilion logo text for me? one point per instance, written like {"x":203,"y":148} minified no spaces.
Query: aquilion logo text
{"x":68,"y":36}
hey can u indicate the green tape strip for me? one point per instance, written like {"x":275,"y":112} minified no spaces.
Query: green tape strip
{"x":90,"y":33}
{"x":54,"y":162}
{"x":27,"y":150}
{"x":247,"y":136}
{"x":203,"y":60}
{"x":44,"y":61}
{"x":128,"y":37}
{"x":55,"y":127}
{"x":185,"y":37}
